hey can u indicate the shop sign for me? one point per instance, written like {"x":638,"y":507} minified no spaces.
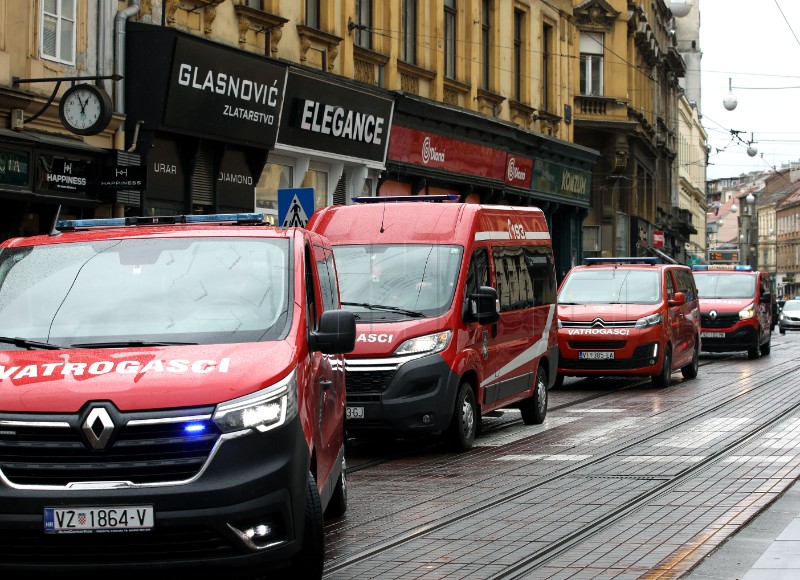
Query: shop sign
{"x":336,"y":119}
{"x":519,"y":170}
{"x":222,"y":93}
{"x":165,"y":174}
{"x":561,"y":180}
{"x":64,"y":174}
{"x":658,"y":239}
{"x":235,"y":185}
{"x":123,"y":178}
{"x":14,"y":167}
{"x":439,"y":152}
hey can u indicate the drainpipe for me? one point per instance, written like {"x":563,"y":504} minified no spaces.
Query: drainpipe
{"x":119,"y":63}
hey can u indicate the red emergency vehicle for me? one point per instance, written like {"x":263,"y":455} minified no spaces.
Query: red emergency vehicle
{"x":455,"y":312}
{"x":171,"y":395}
{"x":738,"y":309}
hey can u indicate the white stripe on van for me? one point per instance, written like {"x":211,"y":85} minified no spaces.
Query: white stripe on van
{"x":482,"y":236}
{"x":537,"y":349}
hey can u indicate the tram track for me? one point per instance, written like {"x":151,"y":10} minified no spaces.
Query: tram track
{"x":538,"y":558}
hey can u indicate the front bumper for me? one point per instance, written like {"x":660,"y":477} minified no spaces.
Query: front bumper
{"x":632,"y":352}
{"x":739,"y":337}
{"x":250,"y":479}
{"x":406,"y":396}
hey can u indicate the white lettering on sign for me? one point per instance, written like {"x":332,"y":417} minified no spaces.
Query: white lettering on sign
{"x":514,"y":172}
{"x":248,"y":115}
{"x":164,"y":168}
{"x":516,"y":231}
{"x":235,"y":178}
{"x":386,"y":338}
{"x":231,"y":86}
{"x":430,"y":153}
{"x":573,"y":183}
{"x":65,"y":179}
{"x":126,"y":367}
{"x":341,"y":122}
{"x":598,"y":331}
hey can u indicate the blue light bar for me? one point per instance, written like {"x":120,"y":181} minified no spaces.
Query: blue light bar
{"x":626,"y":260}
{"x":387,"y":198}
{"x":238,"y":218}
{"x":699,"y":267}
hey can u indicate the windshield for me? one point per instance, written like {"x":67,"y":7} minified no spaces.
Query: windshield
{"x":791,"y":306}
{"x":611,"y":286}
{"x":411,"y":280}
{"x":208,"y":290}
{"x":725,"y":285}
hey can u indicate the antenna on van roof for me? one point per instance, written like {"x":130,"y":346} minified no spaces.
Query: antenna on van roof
{"x":53,"y":231}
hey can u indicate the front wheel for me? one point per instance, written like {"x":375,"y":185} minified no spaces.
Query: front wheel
{"x":463,"y":425}
{"x":662,"y":379}
{"x":690,"y":370}
{"x":309,"y":562}
{"x":534,"y":409}
{"x":338,"y":503}
{"x":766,"y":348}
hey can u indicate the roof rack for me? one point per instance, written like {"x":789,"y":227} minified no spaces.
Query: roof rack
{"x":387,"y":198}
{"x":621,"y":260}
{"x":237,"y":218}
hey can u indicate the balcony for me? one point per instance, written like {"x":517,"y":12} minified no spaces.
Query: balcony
{"x":594,"y":110}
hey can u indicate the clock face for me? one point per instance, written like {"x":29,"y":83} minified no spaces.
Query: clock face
{"x":84,"y":110}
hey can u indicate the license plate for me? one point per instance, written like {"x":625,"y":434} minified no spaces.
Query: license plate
{"x":355,"y":413}
{"x":596,"y":354}
{"x":712,"y":335}
{"x":96,"y":519}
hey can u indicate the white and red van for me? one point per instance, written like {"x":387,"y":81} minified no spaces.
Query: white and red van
{"x":171,"y":395}
{"x":455,"y":312}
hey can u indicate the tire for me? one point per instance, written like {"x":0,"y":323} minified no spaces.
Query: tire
{"x":534,"y":408}
{"x":766,"y":348}
{"x":559,"y":382}
{"x":783,"y":331}
{"x":754,"y":352}
{"x":662,"y":379}
{"x":337,"y":506}
{"x":308,"y":563}
{"x":463,"y":426}
{"x":690,"y":371}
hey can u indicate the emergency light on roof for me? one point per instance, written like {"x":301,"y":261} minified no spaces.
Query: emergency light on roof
{"x":446,"y":197}
{"x":729,"y":267}
{"x":628,"y":260}
{"x":238,"y":218}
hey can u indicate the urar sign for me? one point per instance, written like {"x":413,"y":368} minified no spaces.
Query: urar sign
{"x":658,"y":239}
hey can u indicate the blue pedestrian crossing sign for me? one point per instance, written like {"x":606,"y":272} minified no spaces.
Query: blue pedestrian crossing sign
{"x":295,"y":206}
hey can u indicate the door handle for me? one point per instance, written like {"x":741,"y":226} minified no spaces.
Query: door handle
{"x":326,"y":384}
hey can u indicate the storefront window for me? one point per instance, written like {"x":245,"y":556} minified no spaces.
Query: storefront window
{"x":274,"y":177}
{"x":319,"y":181}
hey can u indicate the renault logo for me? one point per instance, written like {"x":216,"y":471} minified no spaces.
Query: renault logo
{"x":712,"y":315}
{"x":98,"y":428}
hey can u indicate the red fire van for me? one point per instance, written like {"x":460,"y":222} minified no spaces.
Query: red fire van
{"x":628,"y":316}
{"x":738,"y":309}
{"x":455,"y":312}
{"x":171,"y":395}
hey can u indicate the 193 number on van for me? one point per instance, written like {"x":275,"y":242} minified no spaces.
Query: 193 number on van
{"x":516,"y":231}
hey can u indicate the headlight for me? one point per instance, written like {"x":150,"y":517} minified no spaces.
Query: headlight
{"x":748,"y":312}
{"x":648,"y":321}
{"x":780,"y":316}
{"x":428,"y":344}
{"x":262,"y":411}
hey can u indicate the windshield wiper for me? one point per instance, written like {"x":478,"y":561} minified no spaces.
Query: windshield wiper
{"x":124,"y":343}
{"x":369,"y":306}
{"x":29,"y":344}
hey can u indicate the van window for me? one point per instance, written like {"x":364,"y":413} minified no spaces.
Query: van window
{"x":408,"y":279}
{"x":478,"y":272}
{"x":686,"y":284}
{"x":327,"y":278}
{"x":525,"y":277}
{"x":670,"y":285}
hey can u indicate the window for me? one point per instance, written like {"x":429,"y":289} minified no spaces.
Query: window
{"x":547,"y":85}
{"x":363,"y":34}
{"x":591,"y":63}
{"x":312,"y":13}
{"x":276,"y":175}
{"x":486,"y":48}
{"x":409,"y":39}
{"x":518,"y":23}
{"x":525,"y":277}
{"x":257,"y":4}
{"x":450,"y":11}
{"x":58,"y":30}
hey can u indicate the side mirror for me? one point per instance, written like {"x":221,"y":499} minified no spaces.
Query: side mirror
{"x":678,"y":299}
{"x":336,"y":333}
{"x":483,"y":307}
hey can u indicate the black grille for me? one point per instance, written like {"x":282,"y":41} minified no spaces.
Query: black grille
{"x":596,"y":344}
{"x":721,"y":321}
{"x":367,"y":381}
{"x":641,"y":358}
{"x":159,"y":544}
{"x":145,"y":453}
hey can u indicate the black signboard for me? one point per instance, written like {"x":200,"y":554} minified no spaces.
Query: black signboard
{"x":166,"y":178}
{"x":123,"y":178}
{"x":235,"y":183}
{"x":335,"y":118}
{"x":62,"y":174}
{"x":224,"y":93}
{"x":14,"y":167}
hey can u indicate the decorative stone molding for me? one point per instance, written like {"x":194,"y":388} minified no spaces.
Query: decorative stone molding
{"x":489,"y":103}
{"x":260,"y":21}
{"x":209,"y":8}
{"x":367,"y":62}
{"x":411,"y":75}
{"x":454,"y":92}
{"x":328,"y":43}
{"x":595,"y":15}
{"x":522,"y":114}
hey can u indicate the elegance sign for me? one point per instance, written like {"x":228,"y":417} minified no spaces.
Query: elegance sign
{"x":217,"y":91}
{"x":337,"y":119}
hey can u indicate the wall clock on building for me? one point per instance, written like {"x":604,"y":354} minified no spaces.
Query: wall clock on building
{"x":85,"y":109}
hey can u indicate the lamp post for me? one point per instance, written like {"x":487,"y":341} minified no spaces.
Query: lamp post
{"x":748,"y":232}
